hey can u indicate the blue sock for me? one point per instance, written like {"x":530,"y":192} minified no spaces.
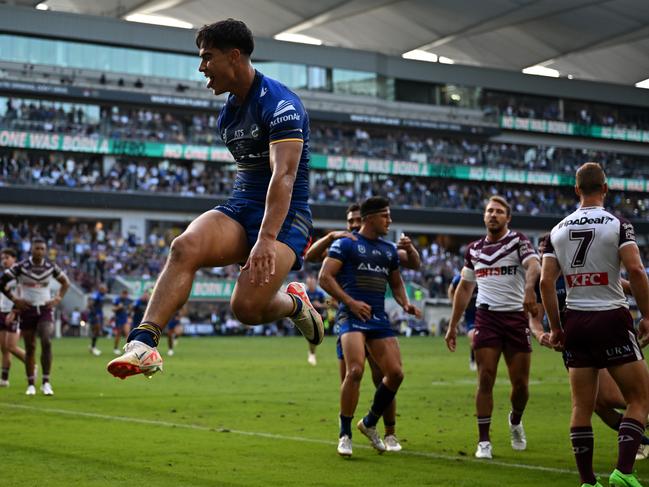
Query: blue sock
{"x":345,"y":426}
{"x":382,"y":399}
{"x":298,"y":306}
{"x":142,"y":335}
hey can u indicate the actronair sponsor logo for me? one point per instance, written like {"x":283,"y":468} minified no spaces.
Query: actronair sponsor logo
{"x":284,"y":118}
{"x":505,"y":270}
{"x":282,"y":107}
{"x":584,"y":220}
{"x":587,"y":279}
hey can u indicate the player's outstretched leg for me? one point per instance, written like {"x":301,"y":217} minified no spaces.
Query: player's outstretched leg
{"x":212,"y":239}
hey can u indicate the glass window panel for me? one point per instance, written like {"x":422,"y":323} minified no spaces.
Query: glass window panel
{"x":351,"y":82}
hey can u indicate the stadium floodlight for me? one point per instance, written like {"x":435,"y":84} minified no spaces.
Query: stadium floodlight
{"x":643,"y":84}
{"x":420,"y":55}
{"x":446,"y":60}
{"x":158,"y":20}
{"x":539,"y":70}
{"x":299,"y":38}
{"x":42,"y":6}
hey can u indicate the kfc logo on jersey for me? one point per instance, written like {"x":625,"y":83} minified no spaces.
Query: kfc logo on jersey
{"x":587,"y":279}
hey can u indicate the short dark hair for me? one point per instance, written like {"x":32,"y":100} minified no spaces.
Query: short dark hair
{"x":9,"y":251}
{"x":501,"y":201}
{"x":374,"y":204}
{"x":590,"y":178}
{"x":353,"y":207}
{"x":226,"y":34}
{"x":38,"y":239}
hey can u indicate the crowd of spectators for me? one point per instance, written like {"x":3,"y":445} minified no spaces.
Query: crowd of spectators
{"x":186,"y":178}
{"x":572,"y":111}
{"x":331,"y":139}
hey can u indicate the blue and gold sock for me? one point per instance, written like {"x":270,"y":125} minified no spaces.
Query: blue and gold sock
{"x":147,"y":332}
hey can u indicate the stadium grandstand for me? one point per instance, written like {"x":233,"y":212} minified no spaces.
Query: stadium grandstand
{"x":109,"y":148}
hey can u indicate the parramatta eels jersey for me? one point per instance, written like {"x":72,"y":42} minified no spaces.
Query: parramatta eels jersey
{"x":270,"y":113}
{"x":364,"y":275}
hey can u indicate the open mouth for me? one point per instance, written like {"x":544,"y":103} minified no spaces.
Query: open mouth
{"x":210,"y":82}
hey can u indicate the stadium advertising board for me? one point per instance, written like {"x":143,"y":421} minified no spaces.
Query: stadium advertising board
{"x":201,"y":288}
{"x":565,"y":128}
{"x":139,"y":148}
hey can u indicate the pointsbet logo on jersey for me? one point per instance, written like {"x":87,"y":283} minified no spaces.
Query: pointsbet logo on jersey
{"x":506,"y":270}
{"x":587,"y":279}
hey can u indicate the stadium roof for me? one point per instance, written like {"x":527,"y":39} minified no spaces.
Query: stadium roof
{"x":600,"y":40}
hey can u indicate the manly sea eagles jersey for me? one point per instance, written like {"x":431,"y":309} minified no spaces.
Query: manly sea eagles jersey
{"x":497,"y":268}
{"x":586,"y":245}
{"x":34,"y":280}
{"x":6,"y":305}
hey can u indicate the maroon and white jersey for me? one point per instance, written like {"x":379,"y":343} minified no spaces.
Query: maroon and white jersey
{"x":34,"y":280}
{"x":586,"y":245}
{"x":497,"y":268}
{"x":5,"y":304}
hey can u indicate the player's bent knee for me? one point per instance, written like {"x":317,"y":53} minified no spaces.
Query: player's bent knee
{"x":183,"y":248}
{"x":395,"y":377}
{"x":246,"y":311}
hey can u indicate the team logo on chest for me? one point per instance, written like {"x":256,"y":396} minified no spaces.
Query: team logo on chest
{"x":361,"y":249}
{"x":254,"y":131}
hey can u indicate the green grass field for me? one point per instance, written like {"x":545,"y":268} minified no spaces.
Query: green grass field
{"x":251,"y":411}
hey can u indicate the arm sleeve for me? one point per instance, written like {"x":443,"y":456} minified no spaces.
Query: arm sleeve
{"x":284,"y":115}
{"x":525,"y":249}
{"x":468,"y":271}
{"x":627,"y":233}
{"x":394,"y":258}
{"x":549,"y":248}
{"x":57,"y":271}
{"x":339,"y":250}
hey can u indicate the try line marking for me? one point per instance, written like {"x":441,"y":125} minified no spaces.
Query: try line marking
{"x":435,"y":456}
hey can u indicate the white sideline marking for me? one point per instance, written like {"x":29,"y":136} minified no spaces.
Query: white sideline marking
{"x":435,"y":456}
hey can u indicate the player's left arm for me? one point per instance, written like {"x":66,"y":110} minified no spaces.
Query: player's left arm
{"x":408,"y":255}
{"x":550,"y":272}
{"x":65,"y":285}
{"x":400,"y":295}
{"x":284,"y":160}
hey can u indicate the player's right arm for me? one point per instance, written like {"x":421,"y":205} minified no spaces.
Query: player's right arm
{"x":630,"y":256}
{"x":535,"y":323}
{"x":461,"y":299}
{"x":330,"y":269}
{"x":318,"y":250}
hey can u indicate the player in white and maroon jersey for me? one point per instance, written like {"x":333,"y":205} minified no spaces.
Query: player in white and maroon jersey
{"x":505,"y":268}
{"x":35,"y":305}
{"x":8,"y":323}
{"x":587,"y":247}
